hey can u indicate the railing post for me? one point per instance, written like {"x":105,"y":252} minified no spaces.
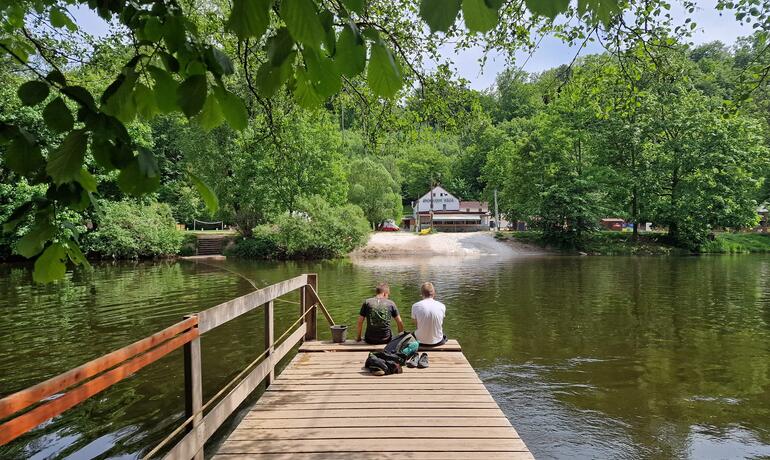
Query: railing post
{"x":269,"y":339}
{"x":308,"y":301}
{"x":193,"y":390}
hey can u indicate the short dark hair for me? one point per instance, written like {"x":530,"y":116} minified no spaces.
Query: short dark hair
{"x":382,"y":288}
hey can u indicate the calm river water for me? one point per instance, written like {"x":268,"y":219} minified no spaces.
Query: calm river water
{"x":592,"y":357}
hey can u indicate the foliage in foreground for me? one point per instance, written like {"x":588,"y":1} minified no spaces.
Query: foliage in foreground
{"x":317,"y":230}
{"x":128,"y":230}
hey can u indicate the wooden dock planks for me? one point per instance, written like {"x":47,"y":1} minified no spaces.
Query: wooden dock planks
{"x":326,"y":406}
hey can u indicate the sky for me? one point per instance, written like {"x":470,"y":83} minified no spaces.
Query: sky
{"x":551,"y":52}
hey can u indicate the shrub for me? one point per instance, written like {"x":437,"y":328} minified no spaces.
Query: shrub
{"x":262,"y":244}
{"x":128,"y":230}
{"x":317,"y":230}
{"x":189,"y":245}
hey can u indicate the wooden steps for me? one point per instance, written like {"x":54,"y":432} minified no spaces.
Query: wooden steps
{"x":325,"y":405}
{"x":209,"y":245}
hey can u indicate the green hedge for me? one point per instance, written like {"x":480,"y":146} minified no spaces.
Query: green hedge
{"x":128,"y":230}
{"x":317,"y":230}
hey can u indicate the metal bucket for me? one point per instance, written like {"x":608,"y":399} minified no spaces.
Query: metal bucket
{"x":339,"y":333}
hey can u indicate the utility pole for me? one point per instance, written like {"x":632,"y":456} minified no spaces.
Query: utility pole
{"x":431,"y":202}
{"x":497,"y":214}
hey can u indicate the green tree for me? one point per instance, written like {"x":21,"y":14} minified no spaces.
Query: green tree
{"x":372,"y":188}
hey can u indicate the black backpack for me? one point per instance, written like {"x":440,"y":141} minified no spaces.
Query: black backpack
{"x":403,"y":345}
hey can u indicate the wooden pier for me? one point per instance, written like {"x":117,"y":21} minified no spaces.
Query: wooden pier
{"x":323,"y":405}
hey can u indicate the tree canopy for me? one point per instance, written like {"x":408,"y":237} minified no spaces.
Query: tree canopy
{"x":85,"y":120}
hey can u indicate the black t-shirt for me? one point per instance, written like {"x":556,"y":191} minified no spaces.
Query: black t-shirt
{"x":378,"y":313}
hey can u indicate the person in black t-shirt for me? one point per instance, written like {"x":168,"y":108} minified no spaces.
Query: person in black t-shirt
{"x":377,"y":311}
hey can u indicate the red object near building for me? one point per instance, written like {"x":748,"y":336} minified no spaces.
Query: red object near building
{"x":613,"y":224}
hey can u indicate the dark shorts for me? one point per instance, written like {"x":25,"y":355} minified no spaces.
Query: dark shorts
{"x":440,"y":342}
{"x":371,"y":341}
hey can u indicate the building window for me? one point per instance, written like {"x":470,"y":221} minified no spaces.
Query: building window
{"x":444,"y":207}
{"x":467,"y":209}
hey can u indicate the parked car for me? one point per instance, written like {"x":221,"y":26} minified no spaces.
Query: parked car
{"x":389,"y":226}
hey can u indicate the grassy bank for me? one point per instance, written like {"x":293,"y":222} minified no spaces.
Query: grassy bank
{"x":649,"y":243}
{"x":604,"y":243}
{"x":738,"y":243}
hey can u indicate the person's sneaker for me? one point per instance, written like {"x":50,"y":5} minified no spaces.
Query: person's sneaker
{"x":422,"y":363}
{"x":413,"y":360}
{"x":377,"y":372}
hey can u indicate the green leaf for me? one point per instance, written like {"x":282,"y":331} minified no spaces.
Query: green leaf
{"x":383,"y":74}
{"x":218,"y":62}
{"x":64,"y":163}
{"x":56,"y":77}
{"x":60,"y":19}
{"x":279,"y":46}
{"x":350,"y":57}
{"x":17,"y":216}
{"x":301,"y":17}
{"x":23,"y":156}
{"x":232,"y":108}
{"x":35,"y":239}
{"x":33,"y":92}
{"x":50,"y":266}
{"x":86,"y":180}
{"x":174,"y":33}
{"x":480,"y":18}
{"x":144,"y":101}
{"x":330,"y":36}
{"x":211,"y":115}
{"x":208,"y":195}
{"x":551,"y":8}
{"x":249,"y":18}
{"x":354,"y":5}
{"x":101,"y":149}
{"x":270,"y":78}
{"x":74,"y":253}
{"x":304,"y":93}
{"x":439,"y":14}
{"x":120,"y":103}
{"x":141,"y":176}
{"x":322,"y":73}
{"x":169,"y":62}
{"x":153,"y":29}
{"x":81,"y":95}
{"x":58,"y":116}
{"x":165,"y":89}
{"x":191,"y":95}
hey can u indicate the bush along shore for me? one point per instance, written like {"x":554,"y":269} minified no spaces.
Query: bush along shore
{"x":648,"y":243}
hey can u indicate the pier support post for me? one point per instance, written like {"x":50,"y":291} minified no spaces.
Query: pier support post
{"x":193,"y":389}
{"x":269,"y":339}
{"x":308,"y":302}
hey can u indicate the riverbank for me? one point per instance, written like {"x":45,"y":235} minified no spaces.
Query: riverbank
{"x":649,"y":243}
{"x":443,"y":244}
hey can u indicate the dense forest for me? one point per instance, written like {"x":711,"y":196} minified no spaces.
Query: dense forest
{"x":653,"y":130}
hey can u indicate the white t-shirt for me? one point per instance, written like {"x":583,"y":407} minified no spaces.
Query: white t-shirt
{"x":429,"y":314}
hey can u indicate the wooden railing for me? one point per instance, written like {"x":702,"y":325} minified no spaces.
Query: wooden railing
{"x":200,"y":424}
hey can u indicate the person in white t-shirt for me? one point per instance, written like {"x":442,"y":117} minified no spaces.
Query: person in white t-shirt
{"x":428,"y":315}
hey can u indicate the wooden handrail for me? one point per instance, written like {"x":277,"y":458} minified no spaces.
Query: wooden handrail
{"x":93,"y":377}
{"x":128,"y":360}
{"x":25,"y":398}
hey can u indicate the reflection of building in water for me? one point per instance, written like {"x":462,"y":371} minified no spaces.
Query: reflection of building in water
{"x":449,"y":214}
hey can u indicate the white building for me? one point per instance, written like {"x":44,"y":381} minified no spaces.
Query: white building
{"x":450,"y":214}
